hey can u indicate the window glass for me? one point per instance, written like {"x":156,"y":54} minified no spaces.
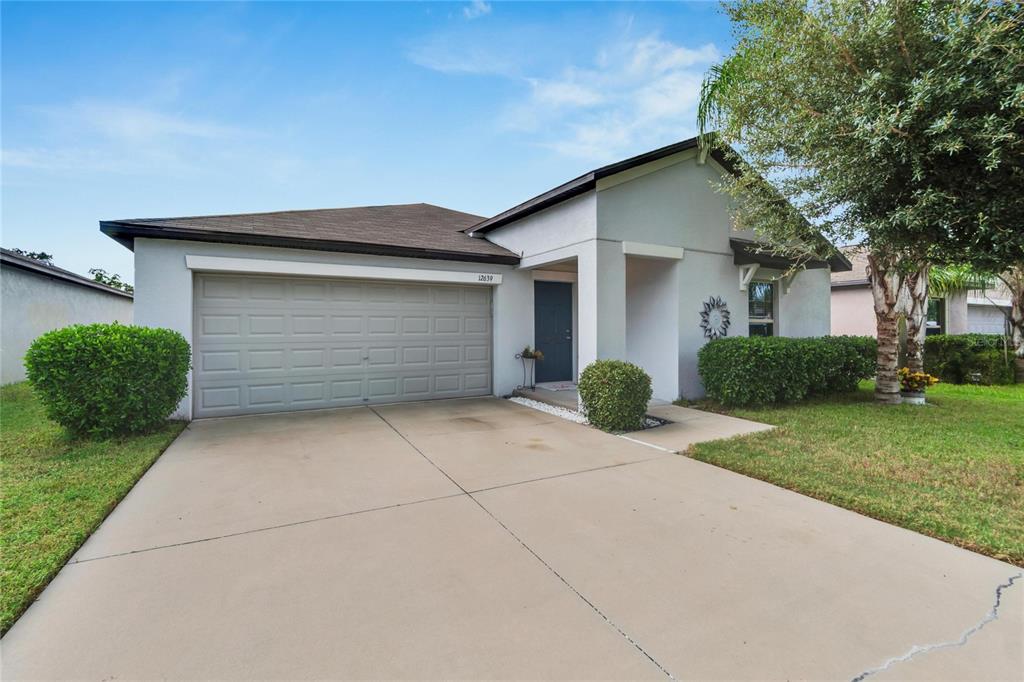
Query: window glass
{"x":761,"y":308}
{"x":936,"y":316}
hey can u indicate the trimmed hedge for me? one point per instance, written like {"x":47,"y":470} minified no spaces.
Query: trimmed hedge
{"x":615,"y":395}
{"x":954,"y":357}
{"x":104,"y":380}
{"x":763,"y":370}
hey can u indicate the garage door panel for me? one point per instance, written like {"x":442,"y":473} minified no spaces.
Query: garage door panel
{"x":265,"y":344}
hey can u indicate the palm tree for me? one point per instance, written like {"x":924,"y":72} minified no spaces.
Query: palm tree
{"x":950,"y":279}
{"x":952,"y":282}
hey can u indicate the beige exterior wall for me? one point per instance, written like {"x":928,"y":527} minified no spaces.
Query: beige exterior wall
{"x":853,"y":311}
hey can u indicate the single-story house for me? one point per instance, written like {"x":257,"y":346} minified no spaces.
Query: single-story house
{"x":973,"y":311}
{"x":636,"y":260}
{"x":36,"y":298}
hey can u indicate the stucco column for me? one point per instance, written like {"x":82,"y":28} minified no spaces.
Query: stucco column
{"x":956,"y":313}
{"x":601,"y":284}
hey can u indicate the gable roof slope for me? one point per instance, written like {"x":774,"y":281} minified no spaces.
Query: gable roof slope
{"x":587,"y":182}
{"x":409,"y":230}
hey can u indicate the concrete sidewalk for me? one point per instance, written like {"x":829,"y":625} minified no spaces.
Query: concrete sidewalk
{"x":691,"y":426}
{"x":481,"y":539}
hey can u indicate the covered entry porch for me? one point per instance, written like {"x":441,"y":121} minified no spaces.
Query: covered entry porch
{"x":606,"y":300}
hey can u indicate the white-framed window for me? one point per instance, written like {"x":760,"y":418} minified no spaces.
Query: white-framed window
{"x":761,"y":308}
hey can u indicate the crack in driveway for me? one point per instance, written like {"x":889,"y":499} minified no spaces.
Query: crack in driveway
{"x":919,"y":649}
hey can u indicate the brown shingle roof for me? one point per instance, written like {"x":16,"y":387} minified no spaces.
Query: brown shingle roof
{"x":412,"y":230}
{"x":858,"y":275}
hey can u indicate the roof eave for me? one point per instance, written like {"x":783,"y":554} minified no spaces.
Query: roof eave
{"x":744,"y":253}
{"x":126,"y":233}
{"x":851,"y":284}
{"x":61,"y":275}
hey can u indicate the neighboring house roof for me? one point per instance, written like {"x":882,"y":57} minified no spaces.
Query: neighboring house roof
{"x":585,"y":183}
{"x":15,"y":260}
{"x":857,"y":275}
{"x":410,"y":230}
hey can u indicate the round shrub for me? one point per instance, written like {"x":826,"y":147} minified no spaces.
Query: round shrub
{"x":104,"y":380}
{"x":615,"y":395}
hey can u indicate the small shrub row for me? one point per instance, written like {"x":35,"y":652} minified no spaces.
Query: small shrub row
{"x":104,"y":380}
{"x":764,"y":370}
{"x":615,"y":395}
{"x":957,"y":358}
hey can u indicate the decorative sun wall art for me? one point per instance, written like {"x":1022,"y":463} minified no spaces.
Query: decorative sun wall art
{"x":714,"y":319}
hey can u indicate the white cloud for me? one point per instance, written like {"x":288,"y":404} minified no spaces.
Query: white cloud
{"x":89,"y":136}
{"x":559,"y":93}
{"x":476,"y":9}
{"x":444,"y":54}
{"x":634,"y":93}
{"x":132,"y":123}
{"x":638,"y":93}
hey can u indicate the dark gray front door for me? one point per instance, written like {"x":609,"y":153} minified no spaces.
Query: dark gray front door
{"x":552,"y":318}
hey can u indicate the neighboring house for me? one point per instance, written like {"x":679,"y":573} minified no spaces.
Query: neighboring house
{"x":36,"y":298}
{"x":853,"y":311}
{"x":326,"y":308}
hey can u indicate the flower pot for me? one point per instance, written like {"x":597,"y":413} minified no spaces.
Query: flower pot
{"x":913,"y":397}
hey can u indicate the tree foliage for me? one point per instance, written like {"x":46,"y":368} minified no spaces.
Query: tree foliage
{"x":111,"y":280}
{"x":41,"y":256}
{"x":899,"y":125}
{"x":949,"y":279}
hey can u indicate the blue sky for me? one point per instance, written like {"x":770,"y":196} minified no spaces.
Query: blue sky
{"x":152,"y":110}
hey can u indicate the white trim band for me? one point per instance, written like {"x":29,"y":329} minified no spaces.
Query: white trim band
{"x":257,"y":266}
{"x":644,"y":250}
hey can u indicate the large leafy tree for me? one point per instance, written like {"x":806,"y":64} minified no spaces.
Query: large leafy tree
{"x":898,"y":125}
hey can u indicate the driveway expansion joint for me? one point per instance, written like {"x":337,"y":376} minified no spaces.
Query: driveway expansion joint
{"x":918,"y":649}
{"x":545,"y":564}
{"x":263,"y":529}
{"x":565,"y":475}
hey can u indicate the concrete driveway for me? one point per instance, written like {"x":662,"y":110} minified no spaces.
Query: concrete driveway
{"x":481,"y":539}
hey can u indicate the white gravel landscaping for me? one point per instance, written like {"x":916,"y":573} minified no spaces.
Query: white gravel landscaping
{"x":551,"y":409}
{"x":573,"y":416}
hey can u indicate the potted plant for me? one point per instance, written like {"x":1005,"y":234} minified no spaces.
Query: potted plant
{"x":914,"y":384}
{"x":530,"y":357}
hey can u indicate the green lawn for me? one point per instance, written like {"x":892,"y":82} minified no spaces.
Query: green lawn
{"x":54,"y":492}
{"x":953,"y":469}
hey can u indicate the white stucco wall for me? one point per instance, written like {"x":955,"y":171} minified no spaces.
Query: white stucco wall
{"x":806,"y":309}
{"x":701,"y":276}
{"x":652,"y":327}
{"x":33,"y":304}
{"x":163,"y":294}
{"x":559,"y":228}
{"x":674,"y":203}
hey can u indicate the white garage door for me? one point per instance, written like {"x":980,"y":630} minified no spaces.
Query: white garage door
{"x":271,"y":344}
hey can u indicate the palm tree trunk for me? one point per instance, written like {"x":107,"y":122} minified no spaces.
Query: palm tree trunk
{"x":885,"y":290}
{"x":916,"y":284}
